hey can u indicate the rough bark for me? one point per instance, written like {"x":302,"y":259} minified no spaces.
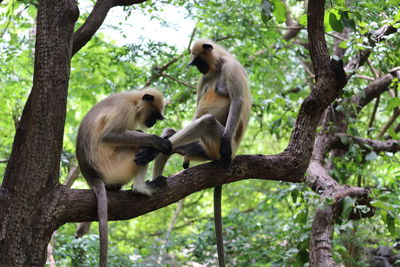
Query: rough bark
{"x":318,"y":176}
{"x":33,"y":168}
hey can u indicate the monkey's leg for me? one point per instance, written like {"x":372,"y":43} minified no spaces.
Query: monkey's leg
{"x":209,"y":130}
{"x":204,"y":127}
{"x":139,"y":184}
{"x":192,"y":151}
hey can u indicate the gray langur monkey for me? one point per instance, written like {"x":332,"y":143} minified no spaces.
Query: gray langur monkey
{"x":109,"y":137}
{"x":221,"y":118}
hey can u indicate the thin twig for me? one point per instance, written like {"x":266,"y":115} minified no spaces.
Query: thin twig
{"x":335,"y":36}
{"x":177,"y":80}
{"x":365,"y":77}
{"x":392,"y":119}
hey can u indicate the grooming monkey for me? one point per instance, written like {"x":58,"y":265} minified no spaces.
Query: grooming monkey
{"x":108,"y":139}
{"x":221,"y":118}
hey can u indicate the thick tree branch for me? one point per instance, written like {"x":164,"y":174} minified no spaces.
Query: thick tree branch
{"x":80,"y":205}
{"x":95,"y":19}
{"x":325,"y":219}
{"x":316,"y":37}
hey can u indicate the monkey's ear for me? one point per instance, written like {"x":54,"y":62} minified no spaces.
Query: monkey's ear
{"x":148,"y":97}
{"x":207,"y":47}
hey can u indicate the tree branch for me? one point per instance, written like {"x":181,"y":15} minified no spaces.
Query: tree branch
{"x":177,"y":80}
{"x":363,"y":55}
{"x":80,"y":205}
{"x":95,"y":19}
{"x":316,"y":37}
{"x":325,"y":219}
{"x":392,"y":119}
{"x":370,"y":144}
{"x":372,"y":91}
{"x":160,"y":70}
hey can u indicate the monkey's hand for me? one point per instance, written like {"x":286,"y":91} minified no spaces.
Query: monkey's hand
{"x":162,"y":144}
{"x":147,"y":154}
{"x":225,"y":151}
{"x":165,"y":146}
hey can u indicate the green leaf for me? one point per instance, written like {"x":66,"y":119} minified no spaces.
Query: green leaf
{"x":357,"y":15}
{"x":390,"y":222}
{"x":294,"y":195}
{"x":335,"y":23}
{"x":266,"y":11}
{"x":303,"y":20}
{"x":393,"y":103}
{"x":344,"y":44}
{"x":279,"y":11}
{"x":347,"y":207}
{"x":349,"y":23}
{"x":381,"y":205}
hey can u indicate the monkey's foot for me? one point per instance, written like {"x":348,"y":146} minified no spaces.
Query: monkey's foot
{"x":142,"y":189}
{"x":186,"y":164}
{"x":113,"y":187}
{"x":225,"y":152}
{"x":157,"y":182}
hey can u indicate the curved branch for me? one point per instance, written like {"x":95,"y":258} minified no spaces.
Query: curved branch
{"x":316,"y":36}
{"x":80,"y":205}
{"x":95,"y":19}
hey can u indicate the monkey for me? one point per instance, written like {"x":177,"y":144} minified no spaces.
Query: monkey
{"x":108,"y":139}
{"x":221,"y":118}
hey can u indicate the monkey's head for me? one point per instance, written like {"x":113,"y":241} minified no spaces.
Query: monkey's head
{"x":204,"y":55}
{"x":152,"y":105}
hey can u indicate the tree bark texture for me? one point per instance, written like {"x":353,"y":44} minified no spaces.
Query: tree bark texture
{"x":33,"y":168}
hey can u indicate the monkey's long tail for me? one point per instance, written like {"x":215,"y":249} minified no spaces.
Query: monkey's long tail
{"x":218,"y":225}
{"x":102,"y":206}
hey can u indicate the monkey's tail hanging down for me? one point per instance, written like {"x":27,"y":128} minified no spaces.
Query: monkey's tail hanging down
{"x":102,"y":212}
{"x":218,"y":225}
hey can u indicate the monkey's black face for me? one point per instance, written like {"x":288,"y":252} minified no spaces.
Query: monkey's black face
{"x":201,"y":64}
{"x":152,"y":119}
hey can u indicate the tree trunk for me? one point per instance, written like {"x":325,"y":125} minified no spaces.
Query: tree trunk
{"x":28,"y":193}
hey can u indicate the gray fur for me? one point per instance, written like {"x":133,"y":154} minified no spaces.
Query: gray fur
{"x":108,"y":139}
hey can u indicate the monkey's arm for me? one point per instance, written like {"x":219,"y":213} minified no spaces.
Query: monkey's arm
{"x":236,"y":83}
{"x":136,"y":138}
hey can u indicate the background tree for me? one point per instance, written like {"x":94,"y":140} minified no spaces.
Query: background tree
{"x":266,"y":222}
